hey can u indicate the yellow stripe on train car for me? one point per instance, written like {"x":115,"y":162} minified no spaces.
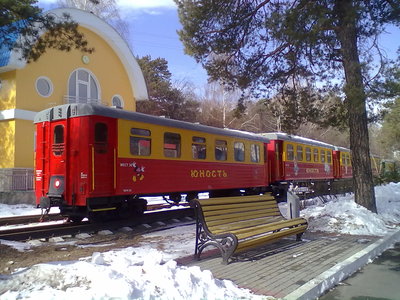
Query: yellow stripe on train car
{"x":157,"y":143}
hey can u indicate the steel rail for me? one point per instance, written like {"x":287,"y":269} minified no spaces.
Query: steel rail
{"x":70,"y":228}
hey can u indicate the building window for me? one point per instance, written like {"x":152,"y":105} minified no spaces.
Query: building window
{"x":117,"y":102}
{"x":44,"y":87}
{"x":172,"y":145}
{"x":255,"y":153}
{"x":221,"y":150}
{"x":238,"y":148}
{"x":83,"y":87}
{"x":140,"y":142}
{"x":199,"y":147}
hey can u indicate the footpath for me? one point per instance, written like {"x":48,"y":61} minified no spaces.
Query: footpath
{"x":294,"y":270}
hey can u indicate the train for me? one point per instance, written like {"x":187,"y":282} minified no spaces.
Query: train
{"x":100,"y":162}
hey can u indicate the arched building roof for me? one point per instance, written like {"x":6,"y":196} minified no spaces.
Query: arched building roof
{"x":10,"y":60}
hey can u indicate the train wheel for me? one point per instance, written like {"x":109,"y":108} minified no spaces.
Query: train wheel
{"x":191,"y":196}
{"x":124,"y":211}
{"x":75,"y":219}
{"x":97,"y":217}
{"x":175,"y":198}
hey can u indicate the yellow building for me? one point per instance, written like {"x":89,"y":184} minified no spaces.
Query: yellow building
{"x":110,"y":76}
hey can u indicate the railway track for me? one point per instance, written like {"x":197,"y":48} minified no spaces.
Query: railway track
{"x":29,"y":219}
{"x":46,"y":231}
{"x":24,"y":220}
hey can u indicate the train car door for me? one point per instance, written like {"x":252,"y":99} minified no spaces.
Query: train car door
{"x":336,"y":165}
{"x":57,"y":159}
{"x":279,"y":170}
{"x":103,"y":155}
{"x":41,"y":159}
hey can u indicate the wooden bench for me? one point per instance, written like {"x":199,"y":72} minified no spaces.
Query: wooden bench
{"x":236,"y":224}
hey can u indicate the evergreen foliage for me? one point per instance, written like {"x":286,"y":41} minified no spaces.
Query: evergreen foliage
{"x":22,"y":28}
{"x":390,"y":131}
{"x":164,"y":99}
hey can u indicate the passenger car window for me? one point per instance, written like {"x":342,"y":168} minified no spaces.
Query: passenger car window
{"x":221,"y":150}
{"x":316,"y":155}
{"x":199,"y":147}
{"x":238,"y":148}
{"x":329,"y":156}
{"x":308,"y":154}
{"x":140,"y":142}
{"x":289,"y":152}
{"x":323,"y":156}
{"x":255,"y":153}
{"x":172,"y":145}
{"x":100,"y":137}
{"x":299,"y":154}
{"x":58,"y":140}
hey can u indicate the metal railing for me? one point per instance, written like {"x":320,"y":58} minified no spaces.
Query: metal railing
{"x":16,"y":179}
{"x":74,"y":99}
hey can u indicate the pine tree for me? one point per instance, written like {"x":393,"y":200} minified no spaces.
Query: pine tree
{"x":268,"y":44}
{"x":22,"y":28}
{"x":164,"y":99}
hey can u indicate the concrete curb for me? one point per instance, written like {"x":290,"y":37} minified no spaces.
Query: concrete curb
{"x":320,"y":284}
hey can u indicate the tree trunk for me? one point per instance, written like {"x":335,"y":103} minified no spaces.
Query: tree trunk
{"x":356,"y":105}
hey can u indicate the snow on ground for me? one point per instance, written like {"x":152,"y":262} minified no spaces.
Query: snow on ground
{"x":146,"y":273}
{"x":7,"y":210}
{"x":343,"y":215}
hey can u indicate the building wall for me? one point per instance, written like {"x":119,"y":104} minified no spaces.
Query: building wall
{"x":57,"y":66}
{"x":7,"y":145}
{"x":7,"y":90}
{"x":24,"y":144}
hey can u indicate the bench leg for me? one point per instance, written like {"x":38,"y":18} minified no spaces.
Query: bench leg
{"x":298,"y":237}
{"x":226,"y":243}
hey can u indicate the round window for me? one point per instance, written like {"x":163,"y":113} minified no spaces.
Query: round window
{"x":44,"y":86}
{"x":117,"y":102}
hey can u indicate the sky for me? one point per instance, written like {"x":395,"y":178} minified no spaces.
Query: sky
{"x":143,"y":272}
{"x":153,"y":26}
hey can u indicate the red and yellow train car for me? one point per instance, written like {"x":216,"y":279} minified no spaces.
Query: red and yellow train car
{"x":92,"y":159}
{"x":294,"y":158}
{"x":299,"y":161}
{"x":342,"y":163}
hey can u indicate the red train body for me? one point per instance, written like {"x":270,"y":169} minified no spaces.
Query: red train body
{"x":93,"y":160}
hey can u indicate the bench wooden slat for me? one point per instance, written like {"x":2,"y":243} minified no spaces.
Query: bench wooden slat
{"x":246,"y":214}
{"x":223,"y":226}
{"x":247,"y":244}
{"x":236,"y":199}
{"x":251,"y":229}
{"x":256,"y":230}
{"x":239,"y":206}
{"x":256,"y":219}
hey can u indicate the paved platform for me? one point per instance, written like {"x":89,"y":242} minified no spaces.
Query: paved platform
{"x":297,"y":270}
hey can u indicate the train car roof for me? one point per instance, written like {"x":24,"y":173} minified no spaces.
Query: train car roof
{"x":73,"y":110}
{"x":296,"y":139}
{"x":343,"y":149}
